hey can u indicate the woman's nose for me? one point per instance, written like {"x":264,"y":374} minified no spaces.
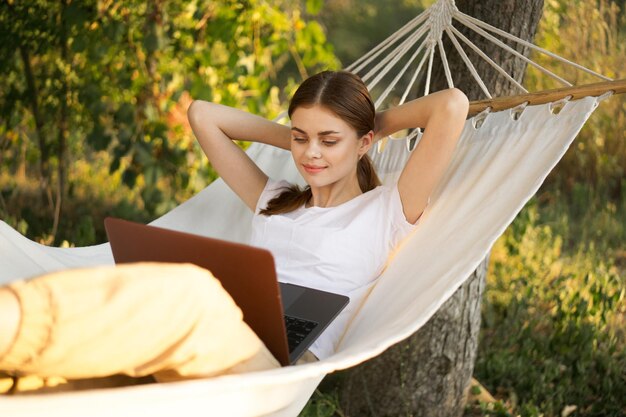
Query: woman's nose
{"x":313,"y":150}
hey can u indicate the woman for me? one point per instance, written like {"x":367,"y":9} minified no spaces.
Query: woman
{"x":337,"y":233}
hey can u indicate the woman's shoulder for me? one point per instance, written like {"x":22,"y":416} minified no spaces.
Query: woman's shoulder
{"x":387,"y":199}
{"x":381,"y":192}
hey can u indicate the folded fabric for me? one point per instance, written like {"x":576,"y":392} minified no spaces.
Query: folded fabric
{"x":172,"y":321}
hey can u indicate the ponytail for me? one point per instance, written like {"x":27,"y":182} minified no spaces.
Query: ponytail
{"x":289,"y":200}
{"x":366,"y":174}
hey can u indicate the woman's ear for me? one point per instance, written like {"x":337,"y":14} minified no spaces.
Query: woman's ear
{"x":366,"y":143}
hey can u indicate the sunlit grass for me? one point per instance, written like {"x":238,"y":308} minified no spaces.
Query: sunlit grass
{"x":553,"y":316}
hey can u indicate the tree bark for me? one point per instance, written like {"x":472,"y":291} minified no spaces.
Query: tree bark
{"x":429,"y":373}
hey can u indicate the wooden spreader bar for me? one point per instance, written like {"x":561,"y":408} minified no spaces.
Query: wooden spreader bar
{"x":548,"y":96}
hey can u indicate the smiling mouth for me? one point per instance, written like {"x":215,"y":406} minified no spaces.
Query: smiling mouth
{"x":313,"y":169}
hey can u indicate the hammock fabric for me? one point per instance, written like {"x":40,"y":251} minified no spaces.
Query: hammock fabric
{"x":495,"y":170}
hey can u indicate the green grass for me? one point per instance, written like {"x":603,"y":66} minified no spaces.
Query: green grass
{"x":323,"y":403}
{"x":553,"y":332}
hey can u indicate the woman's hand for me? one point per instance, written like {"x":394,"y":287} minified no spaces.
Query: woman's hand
{"x":379,"y":127}
{"x":416,"y":113}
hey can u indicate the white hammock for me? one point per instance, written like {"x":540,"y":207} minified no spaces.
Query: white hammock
{"x":495,"y":170}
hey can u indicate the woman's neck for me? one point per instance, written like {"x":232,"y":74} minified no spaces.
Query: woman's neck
{"x":334,"y":194}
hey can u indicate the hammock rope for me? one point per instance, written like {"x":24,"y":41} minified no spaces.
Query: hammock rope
{"x":514,"y":52}
{"x":462,"y":16}
{"x":393,"y":83}
{"x":469,"y":64}
{"x":433,"y":23}
{"x":367,"y":58}
{"x":486,"y":58}
{"x":384,"y":66}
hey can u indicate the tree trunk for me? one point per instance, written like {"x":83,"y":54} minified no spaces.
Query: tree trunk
{"x":62,"y":123}
{"x":33,"y":98}
{"x":429,"y":373}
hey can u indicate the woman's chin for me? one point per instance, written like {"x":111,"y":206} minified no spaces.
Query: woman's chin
{"x":312,"y":176}
{"x":315,"y":181}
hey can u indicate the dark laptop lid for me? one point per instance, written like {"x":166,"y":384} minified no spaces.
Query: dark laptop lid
{"x":248,"y":273}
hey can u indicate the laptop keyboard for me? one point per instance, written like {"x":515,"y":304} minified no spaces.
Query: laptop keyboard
{"x":297,"y":330}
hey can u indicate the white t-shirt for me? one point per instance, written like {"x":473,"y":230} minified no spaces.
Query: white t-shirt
{"x":341,"y":249}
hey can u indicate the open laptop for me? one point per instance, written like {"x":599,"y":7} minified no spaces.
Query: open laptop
{"x":287,"y":320}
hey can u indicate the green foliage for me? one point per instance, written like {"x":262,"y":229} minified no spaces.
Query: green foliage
{"x":553,"y":318}
{"x":110,"y":82}
{"x":597,"y":29}
{"x":553,"y":331}
{"x":356,"y":26}
{"x":488,"y":409}
{"x":323,"y":404}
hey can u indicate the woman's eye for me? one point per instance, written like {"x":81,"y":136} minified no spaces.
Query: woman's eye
{"x":299,"y":139}
{"x":329,"y":143}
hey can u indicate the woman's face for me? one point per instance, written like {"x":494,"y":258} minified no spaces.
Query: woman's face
{"x":324,"y":148}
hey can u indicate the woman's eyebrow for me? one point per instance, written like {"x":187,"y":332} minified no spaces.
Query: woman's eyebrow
{"x":322,"y":133}
{"x":298,"y":130}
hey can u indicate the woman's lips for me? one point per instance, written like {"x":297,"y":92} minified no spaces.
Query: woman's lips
{"x":313,"y":169}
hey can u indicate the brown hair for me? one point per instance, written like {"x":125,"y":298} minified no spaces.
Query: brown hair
{"x":346,"y":95}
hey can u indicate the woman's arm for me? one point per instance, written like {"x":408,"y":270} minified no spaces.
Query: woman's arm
{"x":442,"y":115}
{"x":216,"y":126}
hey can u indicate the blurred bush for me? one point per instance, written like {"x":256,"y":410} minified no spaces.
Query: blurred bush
{"x":93,"y":100}
{"x":593,"y":34}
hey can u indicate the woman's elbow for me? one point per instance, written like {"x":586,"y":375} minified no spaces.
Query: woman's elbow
{"x":458,"y":102}
{"x":204,"y":111}
{"x":195,"y":110}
